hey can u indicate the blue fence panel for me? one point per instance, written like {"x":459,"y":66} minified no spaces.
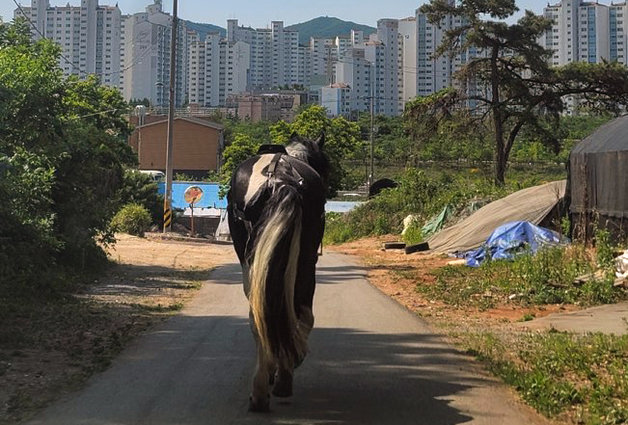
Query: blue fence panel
{"x":210,"y":194}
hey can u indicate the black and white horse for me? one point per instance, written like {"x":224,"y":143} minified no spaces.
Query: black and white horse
{"x":276,"y":207}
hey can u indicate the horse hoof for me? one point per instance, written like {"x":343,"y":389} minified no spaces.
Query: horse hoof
{"x":283,"y":387}
{"x":259,"y":405}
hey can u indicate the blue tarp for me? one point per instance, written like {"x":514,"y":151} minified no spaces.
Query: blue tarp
{"x":511,"y":239}
{"x":210,"y":197}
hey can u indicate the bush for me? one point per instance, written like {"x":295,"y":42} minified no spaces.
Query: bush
{"x":139,"y":188}
{"x":133,"y":219}
{"x":413,"y":233}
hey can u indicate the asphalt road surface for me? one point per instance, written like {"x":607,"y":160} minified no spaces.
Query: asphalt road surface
{"x":370,"y":362}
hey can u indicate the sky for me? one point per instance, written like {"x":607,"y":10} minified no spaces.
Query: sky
{"x":259,"y":14}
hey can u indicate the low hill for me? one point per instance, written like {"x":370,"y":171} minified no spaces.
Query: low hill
{"x":327,"y":27}
{"x":204,"y":29}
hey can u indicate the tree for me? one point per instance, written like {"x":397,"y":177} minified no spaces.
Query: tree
{"x":342,"y":138}
{"x":517,"y":85}
{"x":242,"y":147}
{"x":63,"y":146}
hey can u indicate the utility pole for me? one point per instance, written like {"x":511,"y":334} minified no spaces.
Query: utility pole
{"x":371,"y":178}
{"x":169,"y":147}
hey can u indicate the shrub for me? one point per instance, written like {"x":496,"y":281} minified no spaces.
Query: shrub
{"x":413,"y":233}
{"x":139,"y":188}
{"x":417,"y":194}
{"x":133,"y":219}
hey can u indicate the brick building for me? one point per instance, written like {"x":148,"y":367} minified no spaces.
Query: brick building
{"x":198,"y":146}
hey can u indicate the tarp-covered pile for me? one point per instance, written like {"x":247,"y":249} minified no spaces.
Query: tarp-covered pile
{"x":532,"y":204}
{"x":512,"y":239}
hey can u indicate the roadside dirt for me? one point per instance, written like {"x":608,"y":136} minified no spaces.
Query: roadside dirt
{"x":49,"y":348}
{"x":397,"y":275}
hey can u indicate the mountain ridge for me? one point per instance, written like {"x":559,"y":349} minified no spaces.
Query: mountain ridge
{"x":204,"y":29}
{"x":327,"y":27}
{"x":320,"y":27}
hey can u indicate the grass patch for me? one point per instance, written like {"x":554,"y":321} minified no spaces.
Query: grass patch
{"x":545,"y":278}
{"x":159,"y":308}
{"x":581,"y":378}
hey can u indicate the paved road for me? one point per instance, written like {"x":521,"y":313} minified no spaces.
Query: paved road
{"x":609,"y":319}
{"x":371,"y":362}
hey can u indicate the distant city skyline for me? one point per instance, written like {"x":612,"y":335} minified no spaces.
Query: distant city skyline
{"x":365,"y":12}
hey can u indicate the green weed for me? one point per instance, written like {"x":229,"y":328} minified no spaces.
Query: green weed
{"x":561,"y":374}
{"x":549,"y":277}
{"x":159,"y":308}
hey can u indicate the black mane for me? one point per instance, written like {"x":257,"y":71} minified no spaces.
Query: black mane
{"x":311,"y":152}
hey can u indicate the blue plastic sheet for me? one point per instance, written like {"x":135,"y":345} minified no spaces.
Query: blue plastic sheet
{"x":512,"y":239}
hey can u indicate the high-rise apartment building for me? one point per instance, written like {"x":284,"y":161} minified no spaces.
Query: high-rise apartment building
{"x":388,"y":70}
{"x":323,"y":55}
{"x":581,"y":31}
{"x":146,"y":66}
{"x":408,"y":66}
{"x":355,"y":72}
{"x":618,"y":30}
{"x":276,"y":59}
{"x":89,"y":36}
{"x":433,"y":73}
{"x":217,"y":68}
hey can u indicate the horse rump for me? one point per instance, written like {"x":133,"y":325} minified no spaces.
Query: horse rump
{"x":273,"y":271}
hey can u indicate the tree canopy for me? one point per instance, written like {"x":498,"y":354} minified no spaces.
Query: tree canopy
{"x":510,"y":79}
{"x":342,"y":138}
{"x":63,"y":145}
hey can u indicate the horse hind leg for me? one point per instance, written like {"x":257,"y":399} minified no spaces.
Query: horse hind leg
{"x":285,"y":373}
{"x":283,"y":382}
{"x":259,"y":400}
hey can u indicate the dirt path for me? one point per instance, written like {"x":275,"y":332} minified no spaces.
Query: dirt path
{"x":51,"y":347}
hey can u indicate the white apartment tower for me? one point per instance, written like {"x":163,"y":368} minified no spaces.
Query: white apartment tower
{"x":408,"y":69}
{"x":581,"y":31}
{"x":354,"y":71}
{"x":388,"y":75}
{"x":276,"y":59}
{"x":89,"y":36}
{"x":323,"y":54}
{"x":433,"y":73}
{"x":593,"y":27}
{"x":618,"y":28}
{"x":216,"y":69}
{"x":146,"y":66}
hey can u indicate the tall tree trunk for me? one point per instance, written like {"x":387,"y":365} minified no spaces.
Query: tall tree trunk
{"x":498,"y":122}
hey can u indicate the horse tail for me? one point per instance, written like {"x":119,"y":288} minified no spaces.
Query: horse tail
{"x":273,"y":273}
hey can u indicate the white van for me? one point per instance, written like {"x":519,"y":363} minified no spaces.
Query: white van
{"x":156,"y":175}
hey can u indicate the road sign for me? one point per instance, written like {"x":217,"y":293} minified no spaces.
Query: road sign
{"x":193,"y":194}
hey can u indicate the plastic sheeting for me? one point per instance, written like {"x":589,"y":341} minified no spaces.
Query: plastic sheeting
{"x":437,"y":222}
{"x":512,"y":239}
{"x":222,"y":231}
